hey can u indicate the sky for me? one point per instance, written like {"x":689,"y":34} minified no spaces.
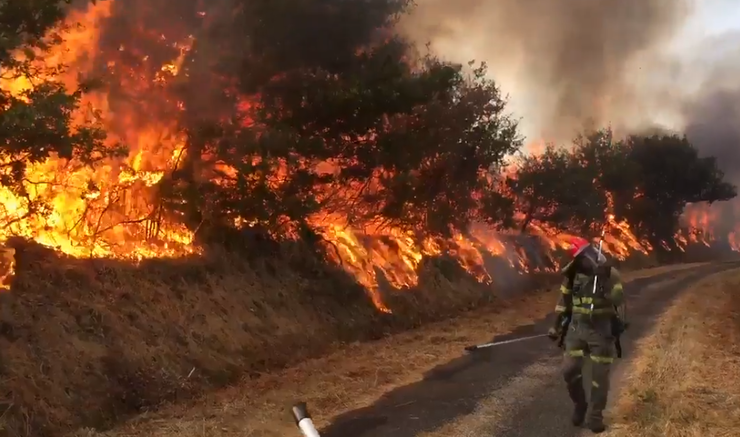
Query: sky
{"x":711,"y":18}
{"x":717,"y":16}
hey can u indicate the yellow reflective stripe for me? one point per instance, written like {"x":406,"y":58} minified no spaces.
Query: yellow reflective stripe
{"x":595,"y":384}
{"x":595,"y":358}
{"x":584,"y":310}
{"x":589,"y":300}
{"x":560,"y":308}
{"x":617,"y":291}
{"x":565,"y":290}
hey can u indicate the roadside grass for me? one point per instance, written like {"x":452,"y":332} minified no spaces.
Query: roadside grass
{"x":685,"y":381}
{"x":350,"y":378}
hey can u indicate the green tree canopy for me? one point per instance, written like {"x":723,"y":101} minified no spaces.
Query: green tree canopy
{"x":669,"y":174}
{"x":647,"y":180}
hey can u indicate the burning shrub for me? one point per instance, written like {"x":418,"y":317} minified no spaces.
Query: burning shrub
{"x":311,"y":121}
{"x":645,"y":181}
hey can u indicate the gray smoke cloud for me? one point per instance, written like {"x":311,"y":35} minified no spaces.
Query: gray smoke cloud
{"x":713,"y":125}
{"x":570,"y":63}
{"x":573,"y":61}
{"x":711,"y":116}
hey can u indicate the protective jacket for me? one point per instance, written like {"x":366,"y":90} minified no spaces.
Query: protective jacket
{"x":577,"y":296}
{"x":590,"y":334}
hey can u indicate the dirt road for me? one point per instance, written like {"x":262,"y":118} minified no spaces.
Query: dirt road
{"x":514,"y":390}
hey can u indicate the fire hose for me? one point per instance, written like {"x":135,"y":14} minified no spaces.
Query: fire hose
{"x":303,"y":420}
{"x":618,"y":325}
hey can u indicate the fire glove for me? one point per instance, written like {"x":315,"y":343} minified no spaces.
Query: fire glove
{"x":561,"y":323}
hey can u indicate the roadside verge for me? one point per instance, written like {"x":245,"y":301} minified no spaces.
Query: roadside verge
{"x":352,"y":378}
{"x":685,"y":379}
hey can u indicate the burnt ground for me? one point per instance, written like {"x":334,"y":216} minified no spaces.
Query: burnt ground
{"x":521,"y":380}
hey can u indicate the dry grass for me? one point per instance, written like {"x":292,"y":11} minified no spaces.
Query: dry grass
{"x":348,"y":379}
{"x":92,"y":343}
{"x":495,"y":410}
{"x":686,"y":381}
{"x":95,"y":343}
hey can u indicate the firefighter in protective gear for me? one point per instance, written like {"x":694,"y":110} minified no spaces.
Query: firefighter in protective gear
{"x":590,"y":334}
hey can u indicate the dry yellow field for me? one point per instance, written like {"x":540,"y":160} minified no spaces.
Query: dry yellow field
{"x":686,"y":379}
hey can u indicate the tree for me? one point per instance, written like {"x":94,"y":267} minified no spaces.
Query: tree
{"x":343,"y":117}
{"x":646,"y":180}
{"x":542,"y":186}
{"x":36,"y":121}
{"x":668,"y":174}
{"x":568,"y":187}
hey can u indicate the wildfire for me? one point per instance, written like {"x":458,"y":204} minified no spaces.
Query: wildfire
{"x":703,"y":225}
{"x":108,"y":211}
{"x":112,"y":210}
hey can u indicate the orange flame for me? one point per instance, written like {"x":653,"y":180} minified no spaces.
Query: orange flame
{"x":111,"y":210}
{"x":107,"y":211}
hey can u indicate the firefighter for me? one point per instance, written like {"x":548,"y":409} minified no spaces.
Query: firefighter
{"x":591,"y":331}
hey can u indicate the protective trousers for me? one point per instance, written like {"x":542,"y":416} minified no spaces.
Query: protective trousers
{"x":589,"y":338}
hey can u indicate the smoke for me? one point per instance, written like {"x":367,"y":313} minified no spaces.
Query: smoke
{"x":713,"y":125}
{"x":565,"y":62}
{"x":570,"y":62}
{"x":251,"y":40}
{"x":711,"y":116}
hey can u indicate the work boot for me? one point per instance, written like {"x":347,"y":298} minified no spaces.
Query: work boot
{"x":579,"y":414}
{"x":596,"y":426}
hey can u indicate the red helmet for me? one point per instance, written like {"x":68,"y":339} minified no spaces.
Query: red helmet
{"x":576,"y":246}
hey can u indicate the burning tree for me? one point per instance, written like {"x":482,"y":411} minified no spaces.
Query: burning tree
{"x":296,"y":119}
{"x":667,"y":173}
{"x":645,"y":181}
{"x":352,"y":125}
{"x":40,"y":117}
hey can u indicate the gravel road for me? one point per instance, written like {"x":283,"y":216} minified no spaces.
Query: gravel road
{"x":513,"y":390}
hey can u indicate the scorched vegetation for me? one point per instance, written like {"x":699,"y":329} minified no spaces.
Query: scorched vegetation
{"x":188,"y":189}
